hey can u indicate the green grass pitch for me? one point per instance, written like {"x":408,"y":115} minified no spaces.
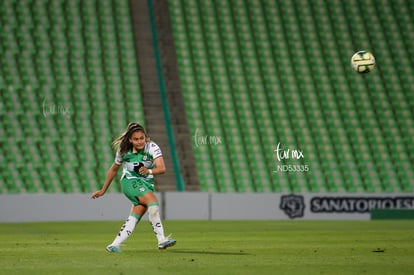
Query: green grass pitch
{"x":211,"y":247}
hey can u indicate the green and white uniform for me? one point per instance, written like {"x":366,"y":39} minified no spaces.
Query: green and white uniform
{"x":133,"y":184}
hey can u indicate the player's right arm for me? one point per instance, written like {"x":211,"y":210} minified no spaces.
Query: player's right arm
{"x":108,"y":180}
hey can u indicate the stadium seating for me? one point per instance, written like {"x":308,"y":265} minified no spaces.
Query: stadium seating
{"x":66,"y":67}
{"x":256,"y":73}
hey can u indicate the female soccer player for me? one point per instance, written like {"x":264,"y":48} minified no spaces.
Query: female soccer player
{"x":142,"y":159}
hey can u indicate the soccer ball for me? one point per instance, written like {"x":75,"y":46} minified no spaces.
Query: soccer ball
{"x":363,"y":62}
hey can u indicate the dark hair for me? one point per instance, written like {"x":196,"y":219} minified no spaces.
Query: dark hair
{"x":122,"y":143}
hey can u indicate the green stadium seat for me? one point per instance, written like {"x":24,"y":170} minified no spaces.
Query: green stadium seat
{"x":270,"y":59}
{"x":52,"y":61}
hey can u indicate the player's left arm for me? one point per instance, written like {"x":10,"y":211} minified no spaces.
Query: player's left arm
{"x":159,"y":166}
{"x":158,"y":169}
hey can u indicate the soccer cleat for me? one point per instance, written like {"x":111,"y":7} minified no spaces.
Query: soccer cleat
{"x":113,"y":248}
{"x":167,"y":243}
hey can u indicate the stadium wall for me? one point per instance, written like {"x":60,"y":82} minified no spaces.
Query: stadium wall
{"x":202,"y":206}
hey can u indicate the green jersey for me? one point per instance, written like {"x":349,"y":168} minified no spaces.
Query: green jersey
{"x":132,"y":161}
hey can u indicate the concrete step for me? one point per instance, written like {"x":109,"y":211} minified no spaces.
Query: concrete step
{"x":151,"y":97}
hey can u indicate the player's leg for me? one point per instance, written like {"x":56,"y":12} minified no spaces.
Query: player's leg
{"x":137,"y":211}
{"x":151,"y":201}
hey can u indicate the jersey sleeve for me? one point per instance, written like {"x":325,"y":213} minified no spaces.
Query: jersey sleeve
{"x":118,"y":159}
{"x":155,"y":150}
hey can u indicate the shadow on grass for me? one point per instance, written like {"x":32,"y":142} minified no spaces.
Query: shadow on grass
{"x":207,"y":252}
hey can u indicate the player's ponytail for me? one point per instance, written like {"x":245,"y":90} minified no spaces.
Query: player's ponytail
{"x":122,"y":143}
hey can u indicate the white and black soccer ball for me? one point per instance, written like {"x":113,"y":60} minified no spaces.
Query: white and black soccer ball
{"x":363,"y":62}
